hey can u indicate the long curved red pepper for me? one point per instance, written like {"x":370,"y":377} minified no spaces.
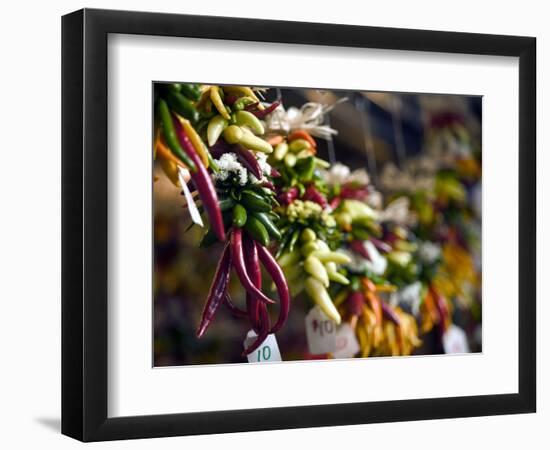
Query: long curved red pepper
{"x":234,"y":309}
{"x":278,"y":277}
{"x":248,"y":160}
{"x":260,"y":114}
{"x":359,"y":247}
{"x":238,"y":263}
{"x":390,"y":314}
{"x":203,"y":183}
{"x":252,"y":264}
{"x":217,"y":292}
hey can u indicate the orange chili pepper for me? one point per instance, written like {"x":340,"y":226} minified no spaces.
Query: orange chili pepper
{"x":376,"y":306}
{"x":274,"y":140}
{"x":164,"y":152}
{"x":302,"y":134}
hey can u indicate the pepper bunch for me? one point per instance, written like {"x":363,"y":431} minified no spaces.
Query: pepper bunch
{"x":233,"y":181}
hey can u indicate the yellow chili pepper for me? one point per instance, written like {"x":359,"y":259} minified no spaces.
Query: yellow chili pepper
{"x":195,"y":140}
{"x":320,"y":296}
{"x":218,"y":102}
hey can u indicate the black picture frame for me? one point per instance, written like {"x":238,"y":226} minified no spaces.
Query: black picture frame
{"x":84,"y":224}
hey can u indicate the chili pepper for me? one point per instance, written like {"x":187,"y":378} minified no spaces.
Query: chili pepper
{"x":334,"y":275}
{"x":252,"y":142}
{"x":275,"y":173}
{"x":235,"y":310}
{"x":254,"y":201}
{"x":268,"y":184}
{"x":242,"y":103}
{"x":252,"y":265}
{"x":239,"y":215}
{"x":375,"y":304}
{"x":329,"y":256}
{"x":164,"y":152}
{"x":290,"y":258}
{"x":293,"y":239}
{"x":226,"y":204}
{"x":170,"y":135}
{"x":390,"y":313}
{"x":277,"y":275}
{"x":204,"y":185}
{"x":248,"y":160}
{"x":215,"y":128}
{"x":182,"y":105}
{"x":320,"y":296}
{"x":217,"y":292}
{"x":265,"y":111}
{"x":309,"y":248}
{"x":195,"y":140}
{"x":280,"y":151}
{"x":171,"y":171}
{"x":275,"y":140}
{"x":299,"y":145}
{"x":252,"y":106}
{"x":355,"y":303}
{"x":302,"y":134}
{"x":268,"y":224}
{"x":335,"y":202}
{"x":317,"y":270}
{"x":245,"y":118}
{"x":218,"y":102}
{"x":288,"y":196}
{"x":243,"y":90}
{"x":380,"y":245}
{"x":263,"y":331}
{"x":238,"y":262}
{"x":314,"y":195}
{"x":257,"y":230}
{"x":233,"y":134}
{"x":290,"y":159}
{"x":191,"y":91}
{"x":305,"y":168}
{"x":359,"y":247}
{"x":308,"y":235}
{"x":442,"y":308}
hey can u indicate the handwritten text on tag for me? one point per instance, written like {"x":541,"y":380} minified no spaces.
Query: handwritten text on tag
{"x":267,"y":352}
{"x":320,"y":332}
{"x":346,"y":342}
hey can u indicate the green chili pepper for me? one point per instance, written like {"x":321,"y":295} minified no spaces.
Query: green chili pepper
{"x":269,"y":225}
{"x":227,"y":203}
{"x":280,"y":151}
{"x":298,"y":145}
{"x":293,"y":239}
{"x":248,"y":119}
{"x":239,"y":215}
{"x":215,"y":128}
{"x":290,"y":159}
{"x":254,"y":201}
{"x":257,"y":231}
{"x":360,"y":233}
{"x":242,"y":102}
{"x":182,"y":105}
{"x":191,"y":91}
{"x":169,"y":133}
{"x":305,"y":168}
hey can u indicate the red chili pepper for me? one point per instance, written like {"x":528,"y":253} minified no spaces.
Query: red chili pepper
{"x":359,"y":247}
{"x":229,"y":99}
{"x":312,"y":194}
{"x":252,"y":264}
{"x":302,"y":134}
{"x":234,"y":309}
{"x":268,"y":184}
{"x":380,"y":245}
{"x":248,"y":160}
{"x":390,"y":313}
{"x":375,"y":304}
{"x":335,"y":202}
{"x":262,"y":333}
{"x":275,"y":173}
{"x":260,"y":114}
{"x":203,"y":183}
{"x":354,"y":193}
{"x":355,"y":303}
{"x":237,"y":258}
{"x":278,"y":277}
{"x":442,"y":308}
{"x":288,"y":196}
{"x":217,"y":292}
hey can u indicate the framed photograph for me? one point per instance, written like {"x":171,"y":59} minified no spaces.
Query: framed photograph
{"x":273,"y":225}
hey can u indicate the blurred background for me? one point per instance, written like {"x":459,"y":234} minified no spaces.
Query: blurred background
{"x":403,"y":140}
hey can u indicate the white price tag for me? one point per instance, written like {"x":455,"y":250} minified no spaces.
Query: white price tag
{"x":183,"y":174}
{"x":455,"y":340}
{"x":320,"y":332}
{"x":346,"y":342}
{"x":267,"y":352}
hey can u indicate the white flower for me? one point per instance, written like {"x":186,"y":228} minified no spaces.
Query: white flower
{"x":228,"y":165}
{"x":264,"y":166}
{"x":397,"y":211}
{"x":377,"y":265}
{"x":340,"y":174}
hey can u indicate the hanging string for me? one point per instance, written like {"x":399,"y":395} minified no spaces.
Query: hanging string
{"x":362,"y":104}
